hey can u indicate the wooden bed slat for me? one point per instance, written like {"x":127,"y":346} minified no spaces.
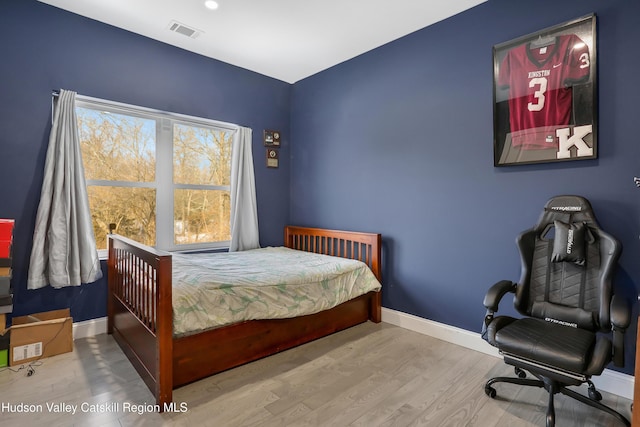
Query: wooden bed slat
{"x":140,"y":313}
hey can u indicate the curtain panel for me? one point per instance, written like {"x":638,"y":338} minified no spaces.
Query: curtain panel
{"x":64,"y":249}
{"x":244,"y":210}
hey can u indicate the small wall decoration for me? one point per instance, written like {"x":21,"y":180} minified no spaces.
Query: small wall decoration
{"x":272,"y":158}
{"x":545,"y":107}
{"x":272,"y":138}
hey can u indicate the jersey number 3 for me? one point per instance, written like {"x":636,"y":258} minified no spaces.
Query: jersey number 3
{"x":540,"y":85}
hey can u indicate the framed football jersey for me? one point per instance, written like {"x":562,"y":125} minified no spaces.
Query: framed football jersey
{"x":545,"y":107}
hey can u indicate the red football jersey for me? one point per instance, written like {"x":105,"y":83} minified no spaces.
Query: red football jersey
{"x":540,"y":94}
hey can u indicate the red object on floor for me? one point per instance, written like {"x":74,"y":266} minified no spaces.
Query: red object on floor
{"x":6,"y":237}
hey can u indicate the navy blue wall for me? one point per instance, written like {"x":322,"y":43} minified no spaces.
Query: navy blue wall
{"x":399,"y":141}
{"x":45,"y":48}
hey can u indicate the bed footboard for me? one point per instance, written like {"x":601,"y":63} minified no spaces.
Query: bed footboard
{"x":140,"y":315}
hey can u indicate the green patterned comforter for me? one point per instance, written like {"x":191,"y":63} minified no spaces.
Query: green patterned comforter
{"x":212,"y":290}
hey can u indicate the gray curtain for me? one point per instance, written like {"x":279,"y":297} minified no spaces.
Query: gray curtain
{"x":244,"y":211}
{"x":64,"y":248}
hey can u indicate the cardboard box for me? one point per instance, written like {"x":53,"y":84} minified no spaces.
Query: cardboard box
{"x":40,"y":335}
{"x":3,"y":323}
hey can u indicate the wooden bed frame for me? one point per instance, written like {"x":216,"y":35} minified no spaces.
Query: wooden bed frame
{"x":140,"y":315}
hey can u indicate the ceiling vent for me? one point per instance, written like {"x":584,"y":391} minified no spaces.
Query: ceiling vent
{"x":179,"y":28}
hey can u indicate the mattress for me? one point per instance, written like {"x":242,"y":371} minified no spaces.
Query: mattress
{"x":213,"y":290}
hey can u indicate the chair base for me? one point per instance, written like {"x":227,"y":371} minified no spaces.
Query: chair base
{"x":552,"y":388}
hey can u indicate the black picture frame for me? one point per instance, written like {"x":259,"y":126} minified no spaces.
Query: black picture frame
{"x":545,"y":88}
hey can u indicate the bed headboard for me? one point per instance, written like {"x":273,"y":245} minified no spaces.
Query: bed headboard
{"x":365,"y":247}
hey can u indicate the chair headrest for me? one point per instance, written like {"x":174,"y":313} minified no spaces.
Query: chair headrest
{"x":568,"y":209}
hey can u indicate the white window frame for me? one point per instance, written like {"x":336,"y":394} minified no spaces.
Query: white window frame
{"x":163,"y":183}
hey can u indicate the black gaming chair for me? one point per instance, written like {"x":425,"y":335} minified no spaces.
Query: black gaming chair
{"x":566,"y":293}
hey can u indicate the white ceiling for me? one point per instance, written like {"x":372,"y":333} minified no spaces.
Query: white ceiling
{"x":285,"y":39}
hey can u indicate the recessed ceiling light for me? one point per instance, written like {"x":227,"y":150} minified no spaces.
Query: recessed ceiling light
{"x":210,"y":4}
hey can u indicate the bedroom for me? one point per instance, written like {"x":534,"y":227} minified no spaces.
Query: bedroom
{"x":420,"y":134}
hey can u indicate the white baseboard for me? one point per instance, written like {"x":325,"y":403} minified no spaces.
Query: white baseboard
{"x":610,"y":381}
{"x":89,"y":328}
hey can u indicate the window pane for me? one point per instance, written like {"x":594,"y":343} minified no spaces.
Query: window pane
{"x":201,"y":155}
{"x":133,"y":210}
{"x":134,"y":148}
{"x":201,"y":216}
{"x":117,"y":147}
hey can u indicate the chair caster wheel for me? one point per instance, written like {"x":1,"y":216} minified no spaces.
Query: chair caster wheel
{"x":594,"y":394}
{"x":490,"y":391}
{"x":520,"y":373}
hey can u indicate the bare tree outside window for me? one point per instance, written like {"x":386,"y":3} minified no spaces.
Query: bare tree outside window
{"x":123,"y":166}
{"x":201,"y":157}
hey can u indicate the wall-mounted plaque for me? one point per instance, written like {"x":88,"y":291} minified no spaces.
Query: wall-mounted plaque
{"x":272,"y":158}
{"x":272,"y":138}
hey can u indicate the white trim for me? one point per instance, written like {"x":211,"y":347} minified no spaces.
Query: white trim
{"x":89,"y":328}
{"x":143,"y":112}
{"x":610,"y":381}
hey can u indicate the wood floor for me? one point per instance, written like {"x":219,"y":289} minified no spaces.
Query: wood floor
{"x":369,"y":375}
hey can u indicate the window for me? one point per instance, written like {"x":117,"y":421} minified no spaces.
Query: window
{"x":163,"y":179}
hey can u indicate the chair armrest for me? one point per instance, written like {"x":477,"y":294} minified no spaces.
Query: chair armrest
{"x":491,"y":301}
{"x":620,"y":320}
{"x":620,"y":313}
{"x":496,"y":292}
